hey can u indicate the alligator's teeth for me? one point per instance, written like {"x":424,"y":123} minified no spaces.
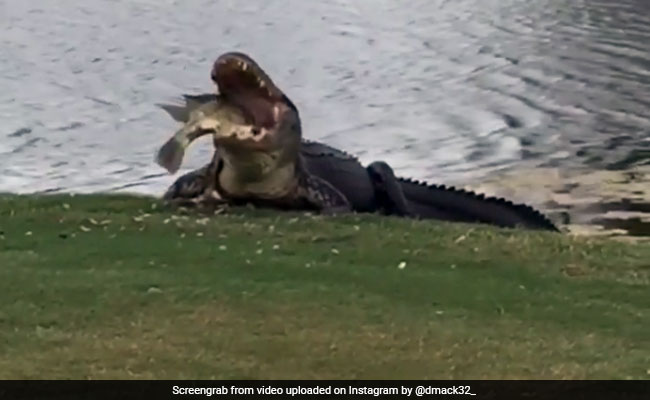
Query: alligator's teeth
{"x":243,"y":66}
{"x":261,"y":83}
{"x":260,"y":134}
{"x":276,"y":112}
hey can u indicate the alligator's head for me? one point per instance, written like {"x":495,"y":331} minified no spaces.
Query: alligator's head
{"x":250,"y":115}
{"x":274,"y":118}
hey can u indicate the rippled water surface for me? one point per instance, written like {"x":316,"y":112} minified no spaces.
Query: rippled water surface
{"x":449,"y":91}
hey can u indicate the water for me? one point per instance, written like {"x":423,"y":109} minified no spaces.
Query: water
{"x":449,"y":91}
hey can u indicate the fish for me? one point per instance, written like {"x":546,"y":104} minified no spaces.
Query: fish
{"x":214,"y":116}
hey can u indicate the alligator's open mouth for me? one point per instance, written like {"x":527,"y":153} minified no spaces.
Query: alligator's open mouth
{"x":250,"y":113}
{"x":243,"y":83}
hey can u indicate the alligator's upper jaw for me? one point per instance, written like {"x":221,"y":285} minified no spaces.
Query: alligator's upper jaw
{"x":242,"y":82}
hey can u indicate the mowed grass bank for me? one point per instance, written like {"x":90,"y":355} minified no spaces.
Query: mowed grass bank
{"x":122,"y":287}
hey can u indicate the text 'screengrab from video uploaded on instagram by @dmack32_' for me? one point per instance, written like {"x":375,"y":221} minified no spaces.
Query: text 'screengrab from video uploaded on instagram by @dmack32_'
{"x":417,"y":391}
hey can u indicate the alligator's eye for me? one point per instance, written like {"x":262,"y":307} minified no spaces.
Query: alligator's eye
{"x":255,"y":131}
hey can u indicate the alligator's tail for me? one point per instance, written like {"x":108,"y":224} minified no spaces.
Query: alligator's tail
{"x":449,"y":203}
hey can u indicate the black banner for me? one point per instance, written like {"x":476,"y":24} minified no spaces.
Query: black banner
{"x":527,"y":390}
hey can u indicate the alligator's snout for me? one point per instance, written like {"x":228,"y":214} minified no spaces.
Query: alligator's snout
{"x":243,"y":82}
{"x":237,"y":71}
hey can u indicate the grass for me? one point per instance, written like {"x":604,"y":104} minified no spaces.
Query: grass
{"x":121,"y":287}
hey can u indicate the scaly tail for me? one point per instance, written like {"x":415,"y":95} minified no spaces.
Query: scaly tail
{"x":448,"y":203}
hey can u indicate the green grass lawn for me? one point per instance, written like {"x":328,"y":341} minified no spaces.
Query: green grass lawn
{"x":121,"y":287}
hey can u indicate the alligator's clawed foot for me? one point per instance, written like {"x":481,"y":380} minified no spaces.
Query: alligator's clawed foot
{"x":188,"y":187}
{"x":203,"y":203}
{"x":192,"y":190}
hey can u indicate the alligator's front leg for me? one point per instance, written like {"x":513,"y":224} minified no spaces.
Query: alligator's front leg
{"x":388,"y":192}
{"x":196,"y":188}
{"x":189,"y":186}
{"x":321,"y":195}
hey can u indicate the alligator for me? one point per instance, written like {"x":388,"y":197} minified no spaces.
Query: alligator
{"x":319,"y":176}
{"x":257,"y":134}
